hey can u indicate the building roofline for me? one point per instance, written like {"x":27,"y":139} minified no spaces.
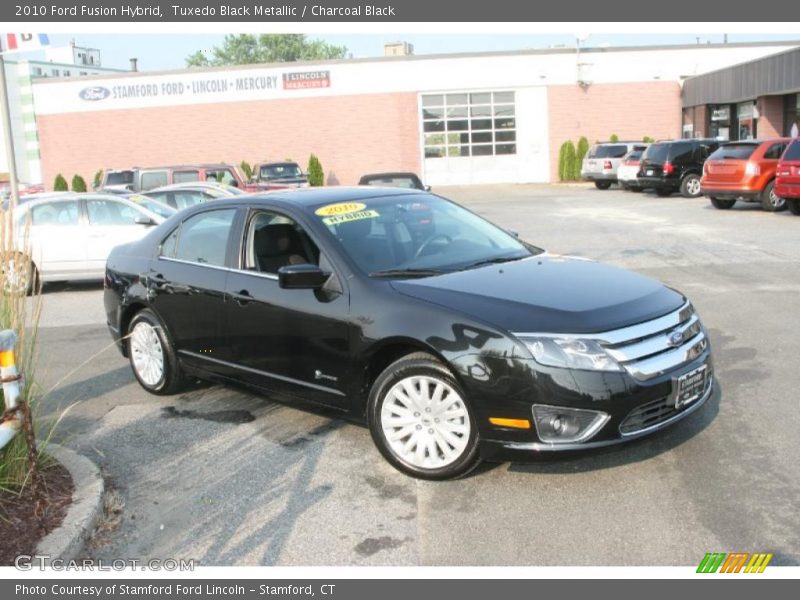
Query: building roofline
{"x":743,"y":64}
{"x":455,"y":55}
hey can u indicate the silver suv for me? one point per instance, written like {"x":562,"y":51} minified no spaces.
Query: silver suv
{"x":602,"y":161}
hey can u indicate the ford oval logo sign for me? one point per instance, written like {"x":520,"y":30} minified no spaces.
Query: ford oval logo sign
{"x":676,"y":338}
{"x":94,"y":93}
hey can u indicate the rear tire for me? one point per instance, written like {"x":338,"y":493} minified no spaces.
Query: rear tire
{"x":722,"y":204}
{"x":406,"y":409}
{"x":153,"y":360}
{"x":793,"y":206}
{"x":770,"y":201}
{"x":690,"y":186}
{"x":602,"y":185}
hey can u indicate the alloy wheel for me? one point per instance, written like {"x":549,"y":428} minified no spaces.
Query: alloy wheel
{"x":425,"y":422}
{"x":776,"y":201}
{"x":147,"y":353}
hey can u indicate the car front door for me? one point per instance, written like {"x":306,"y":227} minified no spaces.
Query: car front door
{"x":186,"y":286}
{"x":110,"y":223}
{"x":291,"y":341}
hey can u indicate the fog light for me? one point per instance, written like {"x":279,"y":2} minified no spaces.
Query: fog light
{"x":561,"y":425}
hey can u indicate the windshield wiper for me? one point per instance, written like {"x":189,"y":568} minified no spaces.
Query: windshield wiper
{"x":406,"y":273}
{"x":493,"y":261}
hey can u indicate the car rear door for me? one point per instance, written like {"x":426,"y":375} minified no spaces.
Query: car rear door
{"x":292,"y":341}
{"x":186,"y":285}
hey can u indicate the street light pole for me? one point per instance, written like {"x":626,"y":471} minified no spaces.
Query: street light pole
{"x":8,"y":134}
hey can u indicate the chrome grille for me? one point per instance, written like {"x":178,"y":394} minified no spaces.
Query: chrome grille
{"x":655,"y":347}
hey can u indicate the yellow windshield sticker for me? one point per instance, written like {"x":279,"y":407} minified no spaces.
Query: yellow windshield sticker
{"x":341,"y":208}
{"x":346,"y":218}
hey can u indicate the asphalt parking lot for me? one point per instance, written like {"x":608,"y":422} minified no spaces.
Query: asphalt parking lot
{"x":225,"y":477}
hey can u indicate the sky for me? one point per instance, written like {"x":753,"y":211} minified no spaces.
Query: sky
{"x":163,"y":52}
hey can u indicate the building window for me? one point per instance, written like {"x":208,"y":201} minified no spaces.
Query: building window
{"x":56,"y":72}
{"x":37,"y":71}
{"x":469,"y":124}
{"x":791,"y":112}
{"x":66,"y":73}
{"x":719,"y":126}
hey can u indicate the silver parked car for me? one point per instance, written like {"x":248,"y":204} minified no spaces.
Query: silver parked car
{"x":69,"y":236}
{"x":183,"y":195}
{"x":602,"y":161}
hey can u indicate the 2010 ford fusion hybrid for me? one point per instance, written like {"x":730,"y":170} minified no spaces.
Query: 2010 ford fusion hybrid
{"x":451,"y":338}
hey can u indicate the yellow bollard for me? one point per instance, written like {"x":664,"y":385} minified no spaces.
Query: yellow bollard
{"x":10,"y":424}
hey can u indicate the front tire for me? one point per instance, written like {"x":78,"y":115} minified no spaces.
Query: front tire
{"x":690,"y":186}
{"x":722,"y":204}
{"x":770,"y":201}
{"x":153,"y":360}
{"x":421,"y":421}
{"x":602,"y":185}
{"x":794,"y":206}
{"x":20,"y":276}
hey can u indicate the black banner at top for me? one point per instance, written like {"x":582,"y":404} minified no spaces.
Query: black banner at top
{"x":394,"y":11}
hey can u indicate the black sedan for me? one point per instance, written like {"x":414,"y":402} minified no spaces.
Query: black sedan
{"x":464,"y":345}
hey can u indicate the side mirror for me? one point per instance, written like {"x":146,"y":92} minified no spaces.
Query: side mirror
{"x":302,"y":277}
{"x":144,"y":220}
{"x":427,"y":188}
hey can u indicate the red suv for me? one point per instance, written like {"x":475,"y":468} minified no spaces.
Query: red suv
{"x":787,"y":182}
{"x":744,"y":170}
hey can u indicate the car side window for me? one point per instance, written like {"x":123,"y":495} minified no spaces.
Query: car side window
{"x":186,"y":198}
{"x":153,"y":179}
{"x":184,"y":176}
{"x":774,"y":152}
{"x":274,"y":241}
{"x":55,"y":213}
{"x":201,"y":239}
{"x":110,"y":212}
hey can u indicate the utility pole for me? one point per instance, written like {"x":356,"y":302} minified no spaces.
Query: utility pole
{"x":8,"y":134}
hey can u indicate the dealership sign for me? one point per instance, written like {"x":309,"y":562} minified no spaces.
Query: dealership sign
{"x":306,"y":79}
{"x":94,"y":93}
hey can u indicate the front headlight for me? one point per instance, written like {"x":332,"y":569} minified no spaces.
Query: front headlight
{"x":570,"y":353}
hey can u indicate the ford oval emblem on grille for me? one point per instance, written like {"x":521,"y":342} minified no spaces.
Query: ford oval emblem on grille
{"x":675,"y":339}
{"x":94,"y":93}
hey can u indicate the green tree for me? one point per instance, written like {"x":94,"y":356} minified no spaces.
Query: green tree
{"x":566,"y":162}
{"x":583,"y":149}
{"x":316,"y":176}
{"x":247,"y":169}
{"x":98,"y":178}
{"x":60,"y":184}
{"x":614,"y":138}
{"x":78,"y":183}
{"x":648,"y":140}
{"x":246,"y":49}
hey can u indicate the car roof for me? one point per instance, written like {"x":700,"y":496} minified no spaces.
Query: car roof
{"x":305,"y":197}
{"x":390,"y":174}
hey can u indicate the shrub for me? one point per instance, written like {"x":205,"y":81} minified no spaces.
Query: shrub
{"x":569,"y":168}
{"x":580,"y":154}
{"x":316,"y":176}
{"x":247,"y":169}
{"x":98,"y":179}
{"x":648,"y":140}
{"x":60,"y":184}
{"x":78,"y":183}
{"x":614,"y":138}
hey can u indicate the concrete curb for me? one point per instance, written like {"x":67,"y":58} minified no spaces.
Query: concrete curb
{"x":66,"y":542}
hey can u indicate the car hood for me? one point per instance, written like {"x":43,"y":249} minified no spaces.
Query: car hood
{"x":548,"y":293}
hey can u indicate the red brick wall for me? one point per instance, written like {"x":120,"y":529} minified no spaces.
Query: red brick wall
{"x":631,"y":110}
{"x":770,"y":123}
{"x":351,"y":135}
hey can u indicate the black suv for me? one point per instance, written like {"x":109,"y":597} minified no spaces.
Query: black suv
{"x":677,"y":165}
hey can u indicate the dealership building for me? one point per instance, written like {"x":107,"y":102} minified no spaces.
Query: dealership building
{"x":454,"y":119}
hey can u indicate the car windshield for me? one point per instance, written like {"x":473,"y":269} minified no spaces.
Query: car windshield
{"x":119,"y":177}
{"x":161,"y":209}
{"x":281,"y":171}
{"x":417,"y":235}
{"x":389,"y":181}
{"x":734,"y":152}
{"x":608,"y":151}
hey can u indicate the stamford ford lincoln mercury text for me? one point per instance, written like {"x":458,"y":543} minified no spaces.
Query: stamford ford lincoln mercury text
{"x":460,"y":344}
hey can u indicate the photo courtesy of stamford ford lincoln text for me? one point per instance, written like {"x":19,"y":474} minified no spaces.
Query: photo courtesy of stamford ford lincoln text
{"x":390,"y":297}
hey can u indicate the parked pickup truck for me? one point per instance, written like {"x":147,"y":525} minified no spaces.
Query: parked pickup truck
{"x":141,"y":179}
{"x":278,"y":175}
